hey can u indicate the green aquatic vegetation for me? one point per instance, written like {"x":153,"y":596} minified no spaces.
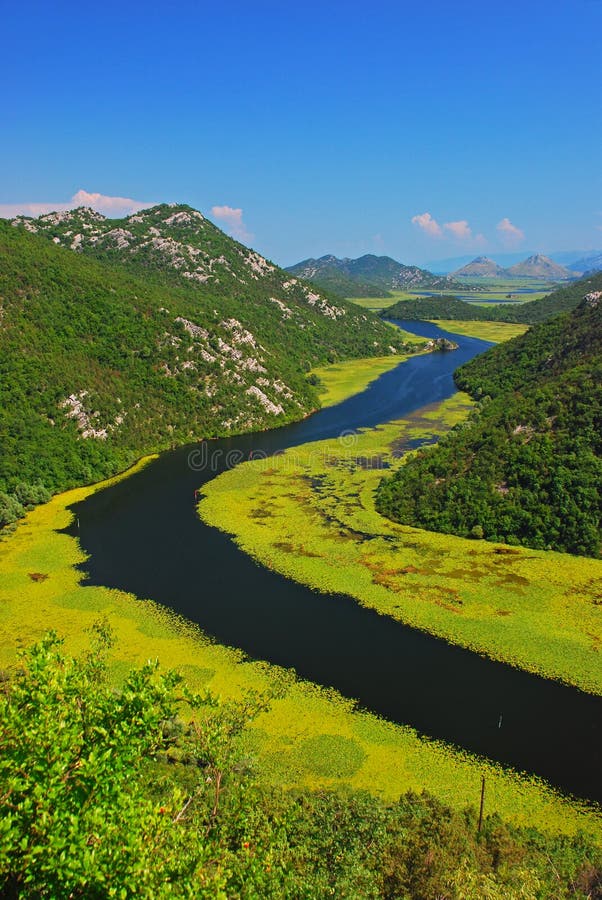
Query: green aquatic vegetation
{"x":341,"y":380}
{"x":395,"y":758}
{"x":537,"y":610}
{"x":149,"y":790}
{"x":496,"y":332}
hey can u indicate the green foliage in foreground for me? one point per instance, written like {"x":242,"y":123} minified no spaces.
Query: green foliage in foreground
{"x":527,"y":468}
{"x":143,"y":791}
{"x":561,"y":300}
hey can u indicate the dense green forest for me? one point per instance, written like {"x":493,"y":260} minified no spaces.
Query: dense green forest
{"x":151,"y":791}
{"x":448,"y":307}
{"x":105,"y":359}
{"x":526,"y":468}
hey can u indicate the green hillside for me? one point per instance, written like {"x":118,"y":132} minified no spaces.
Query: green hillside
{"x":443,"y":307}
{"x":527,"y":468}
{"x":448,"y":307}
{"x":99,"y":365}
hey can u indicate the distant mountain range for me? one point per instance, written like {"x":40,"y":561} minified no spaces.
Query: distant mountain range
{"x":369,"y":276}
{"x":588,"y":264}
{"x":573,"y":259}
{"x":536,"y":266}
{"x":481,"y":266}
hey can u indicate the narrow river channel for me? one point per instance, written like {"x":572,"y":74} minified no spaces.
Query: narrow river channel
{"x":143,"y":536}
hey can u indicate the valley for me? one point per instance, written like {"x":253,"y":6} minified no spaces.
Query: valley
{"x":302,"y":504}
{"x":187,"y":574}
{"x":300,"y":452}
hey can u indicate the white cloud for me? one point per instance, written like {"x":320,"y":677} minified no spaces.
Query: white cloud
{"x":114,"y":207}
{"x":233,"y":221}
{"x":429,"y":225}
{"x":510,"y":234}
{"x":460,"y":230}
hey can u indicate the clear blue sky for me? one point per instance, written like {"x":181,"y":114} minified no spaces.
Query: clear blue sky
{"x":330,"y":125}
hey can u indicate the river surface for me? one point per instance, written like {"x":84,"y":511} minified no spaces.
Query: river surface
{"x":143,"y":535}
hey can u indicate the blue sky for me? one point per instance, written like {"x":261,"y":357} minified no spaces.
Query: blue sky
{"x":417,"y":129}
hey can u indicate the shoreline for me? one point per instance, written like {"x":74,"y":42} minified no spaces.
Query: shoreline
{"x":483,"y":596}
{"x":395,"y":757}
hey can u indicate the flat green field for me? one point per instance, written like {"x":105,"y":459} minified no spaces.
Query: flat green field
{"x":310,"y":515}
{"x":496,"y":332}
{"x":509,"y":284}
{"x":376,"y":304}
{"x":487,"y":296}
{"x":309,"y":737}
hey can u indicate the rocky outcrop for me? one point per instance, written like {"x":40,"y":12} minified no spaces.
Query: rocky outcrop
{"x":441,"y":345}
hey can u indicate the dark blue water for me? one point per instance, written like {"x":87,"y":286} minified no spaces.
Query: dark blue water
{"x":143,"y":535}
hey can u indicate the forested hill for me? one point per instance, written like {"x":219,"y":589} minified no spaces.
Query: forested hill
{"x":99,"y":365}
{"x":448,"y":307}
{"x":176,"y":244}
{"x":369,"y":276}
{"x":527,"y":467}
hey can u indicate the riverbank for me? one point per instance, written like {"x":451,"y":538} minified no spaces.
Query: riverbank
{"x":309,"y":514}
{"x":310,"y":736}
{"x":342,"y":380}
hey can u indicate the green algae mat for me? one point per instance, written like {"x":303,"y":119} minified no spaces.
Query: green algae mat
{"x":309,"y":737}
{"x":310,"y":514}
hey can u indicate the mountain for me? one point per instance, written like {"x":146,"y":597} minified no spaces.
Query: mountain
{"x":558,"y":301}
{"x":565,"y":257}
{"x":590,"y":263}
{"x":539,"y":266}
{"x":482,"y":266}
{"x":527,"y":468}
{"x":119,"y":338}
{"x":536,"y":266}
{"x":368,"y":276}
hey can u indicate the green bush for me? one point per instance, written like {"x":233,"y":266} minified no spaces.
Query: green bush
{"x":116,"y":793}
{"x":10,"y":509}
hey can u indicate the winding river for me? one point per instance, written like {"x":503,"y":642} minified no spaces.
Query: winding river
{"x":143,"y":536}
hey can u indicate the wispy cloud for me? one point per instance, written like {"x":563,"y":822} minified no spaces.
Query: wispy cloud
{"x":233,"y":222}
{"x":114,"y":207}
{"x":461,"y":230}
{"x":510,"y":234}
{"x":429,"y":225}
